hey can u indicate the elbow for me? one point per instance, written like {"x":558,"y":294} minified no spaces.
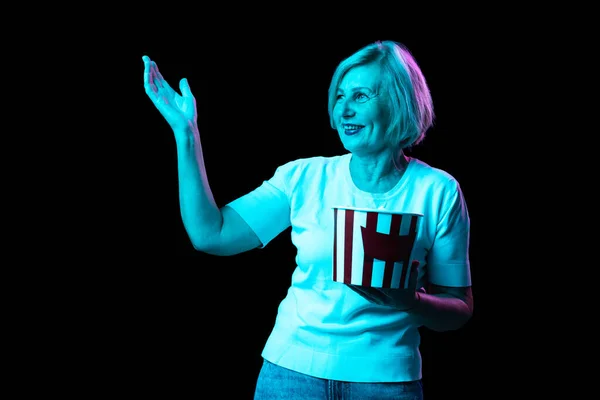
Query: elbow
{"x":463,"y":317}
{"x":465,"y":311}
{"x":209,"y":245}
{"x":453,"y":321}
{"x":448,"y":326}
{"x":203,"y":244}
{"x":204,"y":247}
{"x":199,"y":246}
{"x":469,"y":310}
{"x":201,"y":238}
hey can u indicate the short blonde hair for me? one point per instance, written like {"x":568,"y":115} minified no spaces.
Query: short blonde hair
{"x":408,"y":97}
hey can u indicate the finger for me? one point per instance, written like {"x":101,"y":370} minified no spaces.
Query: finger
{"x":148,"y":84}
{"x":156,"y":77}
{"x":360,"y":292}
{"x":184,"y":86}
{"x":366,"y":293}
{"x":162,"y":81}
{"x":414,"y":274}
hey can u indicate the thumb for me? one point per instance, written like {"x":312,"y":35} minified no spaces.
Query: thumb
{"x":184,"y":86}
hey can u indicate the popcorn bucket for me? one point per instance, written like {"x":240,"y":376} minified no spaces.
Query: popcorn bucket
{"x":373,"y":248}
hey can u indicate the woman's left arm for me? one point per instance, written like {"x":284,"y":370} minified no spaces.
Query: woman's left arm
{"x":444,"y":308}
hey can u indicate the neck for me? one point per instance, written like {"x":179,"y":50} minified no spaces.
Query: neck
{"x":378,"y":174}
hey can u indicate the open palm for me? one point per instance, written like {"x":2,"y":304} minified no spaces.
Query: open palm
{"x":178,"y":110}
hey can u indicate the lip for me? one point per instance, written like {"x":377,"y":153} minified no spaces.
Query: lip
{"x":349,"y":132}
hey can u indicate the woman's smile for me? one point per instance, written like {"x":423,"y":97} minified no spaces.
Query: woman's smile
{"x":351,"y":129}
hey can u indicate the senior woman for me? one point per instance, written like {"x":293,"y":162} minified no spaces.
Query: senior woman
{"x":332,"y":338}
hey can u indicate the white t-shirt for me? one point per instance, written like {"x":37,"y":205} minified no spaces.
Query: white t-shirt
{"x":323,"y":328}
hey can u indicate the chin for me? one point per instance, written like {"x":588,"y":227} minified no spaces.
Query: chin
{"x":352,"y":149}
{"x":350,"y":143}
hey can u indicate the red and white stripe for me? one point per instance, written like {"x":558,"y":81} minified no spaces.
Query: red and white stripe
{"x":373,"y":248}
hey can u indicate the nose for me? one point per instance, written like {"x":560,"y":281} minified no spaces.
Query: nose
{"x":347,"y":109}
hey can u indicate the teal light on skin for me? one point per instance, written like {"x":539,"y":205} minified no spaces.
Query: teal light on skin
{"x":178,"y":109}
{"x":359,"y":103}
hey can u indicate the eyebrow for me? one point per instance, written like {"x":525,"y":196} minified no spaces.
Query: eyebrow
{"x":356,"y":89}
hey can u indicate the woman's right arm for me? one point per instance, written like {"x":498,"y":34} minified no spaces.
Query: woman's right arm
{"x":210,"y":229}
{"x":213,"y":230}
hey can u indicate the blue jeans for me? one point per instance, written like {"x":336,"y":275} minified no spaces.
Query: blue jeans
{"x":275,"y":382}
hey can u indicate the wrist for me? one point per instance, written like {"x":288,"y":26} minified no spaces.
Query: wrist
{"x":186,"y":134}
{"x":186,"y":128}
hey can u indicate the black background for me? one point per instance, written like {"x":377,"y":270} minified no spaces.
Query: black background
{"x":112,"y":299}
{"x":180,"y":321}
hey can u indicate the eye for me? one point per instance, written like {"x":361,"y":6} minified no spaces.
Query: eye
{"x":338,"y":97}
{"x":361,"y":97}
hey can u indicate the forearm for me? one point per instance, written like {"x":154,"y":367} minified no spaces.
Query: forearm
{"x":441,"y":312}
{"x":201,"y":216}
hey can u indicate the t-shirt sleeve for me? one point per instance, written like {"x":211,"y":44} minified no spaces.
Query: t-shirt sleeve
{"x":266,"y":209}
{"x":448,"y":260}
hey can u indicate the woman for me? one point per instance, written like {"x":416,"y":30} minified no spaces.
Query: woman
{"x":332,"y":338}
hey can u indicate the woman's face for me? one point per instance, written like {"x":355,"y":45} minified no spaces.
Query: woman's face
{"x":360,"y":111}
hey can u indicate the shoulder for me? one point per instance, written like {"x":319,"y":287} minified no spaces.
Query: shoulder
{"x":312,"y":165}
{"x":435,"y":178}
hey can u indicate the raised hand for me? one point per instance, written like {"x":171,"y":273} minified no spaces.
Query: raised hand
{"x":179,"y":110}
